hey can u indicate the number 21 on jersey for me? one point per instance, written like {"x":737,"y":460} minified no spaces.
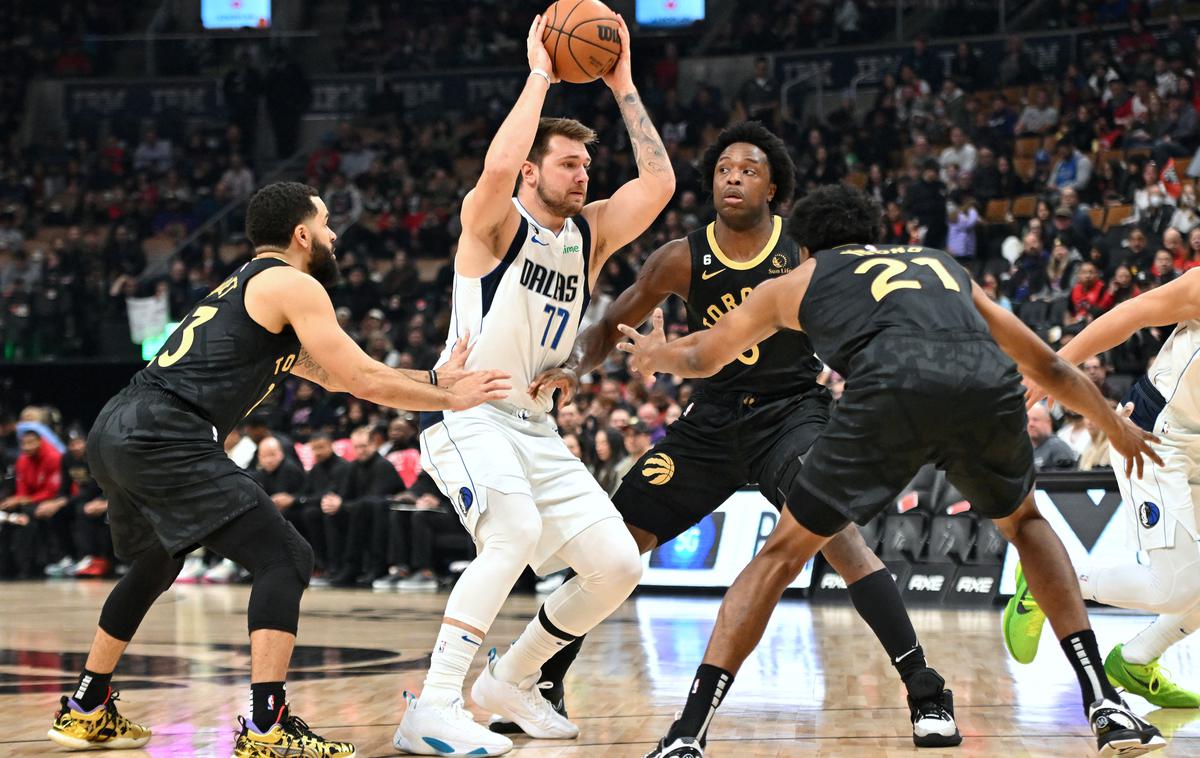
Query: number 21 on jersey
{"x":883,"y":284}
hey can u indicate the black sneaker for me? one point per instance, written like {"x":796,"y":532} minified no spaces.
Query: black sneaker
{"x":933,"y":721}
{"x":1120,"y":732}
{"x":501,"y":725}
{"x":680,"y":747}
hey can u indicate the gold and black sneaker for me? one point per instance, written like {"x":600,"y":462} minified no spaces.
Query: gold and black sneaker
{"x":101,"y":728}
{"x":288,"y":737}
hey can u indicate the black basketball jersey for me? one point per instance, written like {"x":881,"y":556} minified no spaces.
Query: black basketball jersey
{"x":858,"y":291}
{"x":219,"y":360}
{"x":781,"y":364}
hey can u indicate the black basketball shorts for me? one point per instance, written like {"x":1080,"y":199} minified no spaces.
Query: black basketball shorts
{"x":722,"y":443}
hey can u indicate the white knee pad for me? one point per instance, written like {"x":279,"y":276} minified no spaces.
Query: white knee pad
{"x":608,"y":565}
{"x":1169,"y":584}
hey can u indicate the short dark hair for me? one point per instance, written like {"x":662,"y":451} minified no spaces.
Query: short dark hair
{"x":275,"y":210}
{"x":834,"y":215}
{"x":783,"y":170}
{"x":566,"y":127}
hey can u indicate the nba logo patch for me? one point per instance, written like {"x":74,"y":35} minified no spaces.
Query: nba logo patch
{"x":466,"y":498}
{"x":1148,"y":514}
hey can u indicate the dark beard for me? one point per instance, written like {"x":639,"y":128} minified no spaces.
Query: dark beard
{"x":558,"y":206}
{"x":323,"y":266}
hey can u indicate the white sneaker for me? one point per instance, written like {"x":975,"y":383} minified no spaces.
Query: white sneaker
{"x":445,"y":730}
{"x":521,"y":704}
{"x":79,"y":565}
{"x":417,"y":583}
{"x":223,"y":573}
{"x":193,"y":570}
{"x":550,"y":583}
{"x":60,"y":567}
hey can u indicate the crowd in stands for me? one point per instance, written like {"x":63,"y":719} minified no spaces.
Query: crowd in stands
{"x":1065,"y":192}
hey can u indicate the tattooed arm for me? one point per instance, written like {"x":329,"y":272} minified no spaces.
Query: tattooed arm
{"x":633,"y":207}
{"x":307,"y":368}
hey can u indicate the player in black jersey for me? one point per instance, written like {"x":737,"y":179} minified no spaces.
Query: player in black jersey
{"x":923,"y":351}
{"x":156,"y":451}
{"x":753,"y":421}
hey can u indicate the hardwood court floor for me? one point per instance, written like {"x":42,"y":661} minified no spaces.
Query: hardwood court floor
{"x":817,"y":686}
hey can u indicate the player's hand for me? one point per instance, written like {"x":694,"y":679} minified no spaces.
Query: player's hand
{"x":535,"y":49}
{"x":476,"y":387}
{"x":643,"y":348}
{"x":48,"y":508}
{"x":95,"y":507}
{"x":283,"y":499}
{"x":1131,"y":441}
{"x":620,"y":77}
{"x":331,"y":503}
{"x":450,"y":372}
{"x":1034,"y":393}
{"x":562,"y":378}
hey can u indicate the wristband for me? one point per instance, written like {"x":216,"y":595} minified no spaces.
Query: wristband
{"x":540,"y":72}
{"x":433,"y":377}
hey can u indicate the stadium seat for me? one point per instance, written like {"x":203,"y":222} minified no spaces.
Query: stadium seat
{"x":1116,"y":214}
{"x":903,"y":536}
{"x":990,"y":545}
{"x":1097,"y":217}
{"x":1024,"y":206}
{"x":1026,"y":147}
{"x":871,"y":533}
{"x":997,"y":211}
{"x":1025,"y":168}
{"x":951,"y":538}
{"x":856,"y":179}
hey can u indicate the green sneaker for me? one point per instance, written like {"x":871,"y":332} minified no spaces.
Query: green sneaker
{"x":1023,"y":621}
{"x":1147,"y":680}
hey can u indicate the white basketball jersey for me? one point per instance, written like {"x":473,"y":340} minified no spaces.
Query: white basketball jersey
{"x":1176,"y":374}
{"x":524,"y":315}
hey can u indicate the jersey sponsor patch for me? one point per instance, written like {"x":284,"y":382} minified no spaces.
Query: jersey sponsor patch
{"x":1149,"y":514}
{"x":658,"y":469}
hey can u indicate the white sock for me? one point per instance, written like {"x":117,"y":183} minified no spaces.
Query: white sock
{"x":452,"y":655}
{"x":1165,"y":631}
{"x":534,"y":647}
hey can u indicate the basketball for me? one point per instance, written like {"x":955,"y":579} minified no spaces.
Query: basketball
{"x":582,"y":38}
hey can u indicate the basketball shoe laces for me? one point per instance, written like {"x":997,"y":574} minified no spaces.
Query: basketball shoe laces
{"x":114,"y":723}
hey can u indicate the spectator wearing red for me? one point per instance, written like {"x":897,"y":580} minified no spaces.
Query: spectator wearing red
{"x":1120,"y":289}
{"x":1087,"y":293}
{"x":39,"y":478}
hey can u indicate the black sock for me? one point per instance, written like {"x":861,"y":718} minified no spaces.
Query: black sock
{"x":1084,"y":656}
{"x":877,"y":599}
{"x":266,"y":701}
{"x":92,"y":689}
{"x":555,"y":669}
{"x":708,"y":690}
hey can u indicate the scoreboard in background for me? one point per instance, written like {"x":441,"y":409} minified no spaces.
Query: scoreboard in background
{"x":668,"y":13}
{"x":235,"y":14}
{"x":713,"y":553}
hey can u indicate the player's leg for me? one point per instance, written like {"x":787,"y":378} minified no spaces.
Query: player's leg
{"x":607,"y":567}
{"x":702,"y":476}
{"x":280,"y":563}
{"x":745,"y":611}
{"x":992,"y":466}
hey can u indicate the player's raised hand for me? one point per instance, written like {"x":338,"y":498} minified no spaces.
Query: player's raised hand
{"x":536,"y":50}
{"x":452,"y":370}
{"x":620,"y":77}
{"x":476,"y":387}
{"x":1131,"y":441}
{"x":643,"y":348}
{"x":562,"y":379}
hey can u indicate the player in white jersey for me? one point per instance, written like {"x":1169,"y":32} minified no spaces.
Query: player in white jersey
{"x":1161,"y":505}
{"x":523,"y":271}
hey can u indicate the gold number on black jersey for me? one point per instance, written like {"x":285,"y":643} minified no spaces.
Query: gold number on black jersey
{"x":882,"y":286}
{"x":201,"y":316}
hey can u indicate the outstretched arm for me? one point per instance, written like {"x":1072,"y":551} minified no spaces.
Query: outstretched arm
{"x":486,"y":207}
{"x":1171,"y":303}
{"x":773,"y":305}
{"x":634,"y":206}
{"x":666,"y":272}
{"x":1070,"y":385}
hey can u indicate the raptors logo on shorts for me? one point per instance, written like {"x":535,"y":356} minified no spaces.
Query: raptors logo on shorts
{"x":659,"y":468}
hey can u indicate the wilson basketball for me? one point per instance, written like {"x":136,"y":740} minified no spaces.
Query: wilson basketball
{"x":583,"y":39}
